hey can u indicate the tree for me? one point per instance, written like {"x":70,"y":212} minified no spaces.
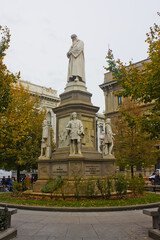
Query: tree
{"x":21,"y":130}
{"x":6,"y":77}
{"x":20,"y":118}
{"x":142,"y":84}
{"x":133,"y":148}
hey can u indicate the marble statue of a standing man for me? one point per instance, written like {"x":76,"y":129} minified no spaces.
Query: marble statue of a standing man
{"x":75,"y":131}
{"x":108,"y":139}
{"x":76,"y":69}
{"x":46,"y":141}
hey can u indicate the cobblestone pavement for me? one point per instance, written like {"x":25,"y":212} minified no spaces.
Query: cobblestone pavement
{"x":38,"y":225}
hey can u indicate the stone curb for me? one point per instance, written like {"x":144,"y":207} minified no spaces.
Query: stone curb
{"x":82,"y":209}
{"x":8,"y":234}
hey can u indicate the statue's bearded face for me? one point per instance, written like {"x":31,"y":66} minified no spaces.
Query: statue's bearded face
{"x":74,"y":39}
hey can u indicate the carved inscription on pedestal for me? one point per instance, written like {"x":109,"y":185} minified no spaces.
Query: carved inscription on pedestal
{"x":92,"y":170}
{"x":75,"y":169}
{"x":43,"y":171}
{"x":59,"y":170}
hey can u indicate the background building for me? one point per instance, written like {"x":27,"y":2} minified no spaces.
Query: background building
{"x":113,"y":102}
{"x":110,"y":87}
{"x":48,"y":99}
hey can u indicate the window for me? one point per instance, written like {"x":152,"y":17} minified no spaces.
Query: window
{"x":119,"y":100}
{"x":49,"y":118}
{"x":158,"y":147}
{"x":101,"y":129}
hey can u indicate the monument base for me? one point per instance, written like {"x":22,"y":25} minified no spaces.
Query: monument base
{"x":73,"y":166}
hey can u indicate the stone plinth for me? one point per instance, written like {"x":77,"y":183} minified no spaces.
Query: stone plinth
{"x":73,"y":166}
{"x":74,"y":86}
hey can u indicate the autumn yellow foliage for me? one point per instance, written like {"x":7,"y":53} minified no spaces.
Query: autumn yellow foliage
{"x":21,"y":129}
{"x":20,"y":117}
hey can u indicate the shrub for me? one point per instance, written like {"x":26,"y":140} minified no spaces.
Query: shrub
{"x":62,"y":188}
{"x":77,"y":183}
{"x":27,"y":184}
{"x":17,"y":187}
{"x":89,"y":187}
{"x":100,"y":186}
{"x":105,"y":186}
{"x":121,"y":185}
{"x":137,"y":185}
{"x":52,"y":185}
{"x":109,"y":182}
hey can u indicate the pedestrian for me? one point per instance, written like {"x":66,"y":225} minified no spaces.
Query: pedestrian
{"x":8,"y":180}
{"x":6,"y":189}
{"x":157,"y":178}
{"x":3,"y":182}
{"x":11,"y":184}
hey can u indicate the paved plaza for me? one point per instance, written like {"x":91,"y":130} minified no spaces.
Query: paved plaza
{"x":39,"y":225}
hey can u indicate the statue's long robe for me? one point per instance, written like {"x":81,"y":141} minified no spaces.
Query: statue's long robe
{"x":108,"y":134}
{"x":45,"y":132}
{"x":76,"y":61}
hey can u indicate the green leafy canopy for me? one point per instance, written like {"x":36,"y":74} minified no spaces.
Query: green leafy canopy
{"x":141,"y":82}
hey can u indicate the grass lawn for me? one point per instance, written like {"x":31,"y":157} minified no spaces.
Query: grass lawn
{"x":147,"y":198}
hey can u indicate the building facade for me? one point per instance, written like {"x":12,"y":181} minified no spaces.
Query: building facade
{"x":48,"y":99}
{"x":113,"y":102}
{"x":110,"y":87}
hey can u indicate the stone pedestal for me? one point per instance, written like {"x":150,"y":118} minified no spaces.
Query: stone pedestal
{"x":73,"y":167}
{"x":77,"y":99}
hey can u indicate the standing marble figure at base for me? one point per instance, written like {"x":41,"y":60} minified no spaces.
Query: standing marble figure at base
{"x":108,"y":139}
{"x":75,"y":54}
{"x":75,"y":131}
{"x":46,"y":141}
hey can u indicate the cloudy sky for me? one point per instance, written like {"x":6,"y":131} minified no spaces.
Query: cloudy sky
{"x":41,"y":29}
